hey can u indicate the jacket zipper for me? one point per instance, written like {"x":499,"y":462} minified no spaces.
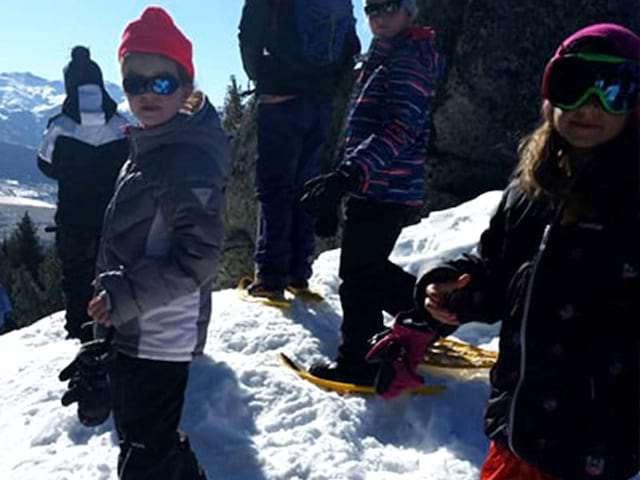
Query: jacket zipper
{"x":523,"y":327}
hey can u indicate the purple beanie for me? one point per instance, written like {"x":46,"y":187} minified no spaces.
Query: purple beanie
{"x":615,"y":40}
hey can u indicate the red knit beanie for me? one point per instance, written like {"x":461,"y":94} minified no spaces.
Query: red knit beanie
{"x":154,"y":32}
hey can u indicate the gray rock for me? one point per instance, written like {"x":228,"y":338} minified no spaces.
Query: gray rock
{"x":496,"y":52}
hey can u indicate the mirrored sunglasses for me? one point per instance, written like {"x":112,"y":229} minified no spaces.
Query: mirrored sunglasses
{"x":163,"y":84}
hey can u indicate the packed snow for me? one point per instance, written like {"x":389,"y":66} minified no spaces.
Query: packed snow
{"x":248,"y":417}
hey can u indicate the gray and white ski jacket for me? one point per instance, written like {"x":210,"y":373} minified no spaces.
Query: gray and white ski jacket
{"x":162,"y":237}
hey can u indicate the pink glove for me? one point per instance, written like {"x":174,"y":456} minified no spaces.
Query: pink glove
{"x":399,"y":351}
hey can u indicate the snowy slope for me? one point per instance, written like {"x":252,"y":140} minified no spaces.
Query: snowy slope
{"x":250,"y":419}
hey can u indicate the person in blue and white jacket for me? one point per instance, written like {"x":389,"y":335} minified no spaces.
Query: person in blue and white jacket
{"x":382,"y":173}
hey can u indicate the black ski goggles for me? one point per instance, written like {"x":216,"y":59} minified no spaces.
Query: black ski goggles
{"x":385,"y":8}
{"x":570,"y":81}
{"x":163,"y":84}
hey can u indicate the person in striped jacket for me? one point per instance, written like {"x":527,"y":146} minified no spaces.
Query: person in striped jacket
{"x":381,"y":172}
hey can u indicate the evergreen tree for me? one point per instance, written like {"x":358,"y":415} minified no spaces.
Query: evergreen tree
{"x":50,"y":275}
{"x":31,"y":275}
{"x":233,"y":108}
{"x":5,"y":263}
{"x":24,"y":249}
{"x":27,"y":299}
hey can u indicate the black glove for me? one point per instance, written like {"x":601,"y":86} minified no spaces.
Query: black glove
{"x":326,"y":224}
{"x":324,"y":192}
{"x":88,"y":383}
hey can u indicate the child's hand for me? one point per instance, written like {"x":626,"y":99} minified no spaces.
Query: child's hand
{"x":100,"y":310}
{"x":436,"y":293}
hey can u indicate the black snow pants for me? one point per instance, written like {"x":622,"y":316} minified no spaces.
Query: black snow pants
{"x":371,"y":284}
{"x":77,"y":250}
{"x":147,"y":397}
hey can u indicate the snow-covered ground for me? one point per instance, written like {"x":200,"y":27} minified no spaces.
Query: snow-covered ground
{"x":251,"y":419}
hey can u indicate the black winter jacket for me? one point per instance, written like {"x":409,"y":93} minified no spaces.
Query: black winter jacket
{"x":265,"y":22}
{"x":85,"y":159}
{"x":565,"y":390}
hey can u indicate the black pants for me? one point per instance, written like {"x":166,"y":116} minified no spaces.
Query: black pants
{"x":291,"y":136}
{"x":147,"y":397}
{"x":77,"y":250}
{"x":371,"y":284}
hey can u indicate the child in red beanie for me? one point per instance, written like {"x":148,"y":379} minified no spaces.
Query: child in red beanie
{"x":161,"y":244}
{"x":559,"y":266}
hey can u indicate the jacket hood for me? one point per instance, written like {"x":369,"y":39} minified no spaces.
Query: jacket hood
{"x":200,"y":128}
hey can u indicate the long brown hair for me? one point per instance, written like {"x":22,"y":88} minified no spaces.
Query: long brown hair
{"x":546,"y":169}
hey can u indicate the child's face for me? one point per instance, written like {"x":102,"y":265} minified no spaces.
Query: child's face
{"x":388,"y":25}
{"x":149,"y":108}
{"x":588,"y":126}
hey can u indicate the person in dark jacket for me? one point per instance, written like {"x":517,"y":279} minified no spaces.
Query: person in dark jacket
{"x":560,"y":266}
{"x":162,"y":241}
{"x":382,"y":172}
{"x":294,"y":115}
{"x":83,"y":148}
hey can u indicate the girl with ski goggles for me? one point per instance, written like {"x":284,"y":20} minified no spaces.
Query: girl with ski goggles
{"x":572,"y":79}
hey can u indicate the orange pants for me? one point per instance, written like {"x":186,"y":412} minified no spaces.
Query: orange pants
{"x":501,"y":464}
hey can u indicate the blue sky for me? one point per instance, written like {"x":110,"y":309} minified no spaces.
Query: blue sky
{"x":37,"y":35}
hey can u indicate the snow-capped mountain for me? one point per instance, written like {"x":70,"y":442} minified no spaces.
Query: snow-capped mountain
{"x":27,"y":102}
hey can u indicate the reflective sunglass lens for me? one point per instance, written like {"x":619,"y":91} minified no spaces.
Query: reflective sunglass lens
{"x":160,"y":85}
{"x":164,"y":85}
{"x":134,"y":85}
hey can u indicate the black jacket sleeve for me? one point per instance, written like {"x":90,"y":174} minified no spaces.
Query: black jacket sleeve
{"x":482,"y":299}
{"x":252,"y":34}
{"x":47,"y":168}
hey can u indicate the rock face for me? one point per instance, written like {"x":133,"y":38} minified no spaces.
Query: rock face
{"x":489,"y":99}
{"x":496,"y":51}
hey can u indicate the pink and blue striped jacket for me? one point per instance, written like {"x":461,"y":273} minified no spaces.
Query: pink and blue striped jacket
{"x":389,"y":119}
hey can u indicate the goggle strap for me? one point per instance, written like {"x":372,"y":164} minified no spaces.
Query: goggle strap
{"x":599,"y":57}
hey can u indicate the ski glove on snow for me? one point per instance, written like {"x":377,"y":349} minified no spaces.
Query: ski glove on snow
{"x":88,"y":383}
{"x":399,"y":350}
